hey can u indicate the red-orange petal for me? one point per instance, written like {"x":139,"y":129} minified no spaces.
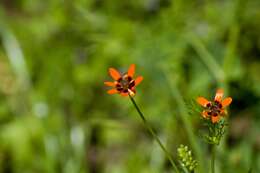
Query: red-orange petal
{"x":112,"y":91}
{"x":138,"y":80}
{"x":226,"y":101}
{"x":223,"y":112}
{"x":205,"y":114}
{"x":109,"y":84}
{"x":219,"y":95}
{"x":124,"y":94}
{"x":202,"y":101}
{"x":215,"y":119}
{"x":114,"y":73}
{"x":131,"y":70}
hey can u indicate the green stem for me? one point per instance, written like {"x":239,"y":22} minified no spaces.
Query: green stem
{"x":149,"y":128}
{"x":213,"y":153}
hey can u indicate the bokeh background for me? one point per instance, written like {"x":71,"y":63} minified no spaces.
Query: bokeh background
{"x":55,"y":115}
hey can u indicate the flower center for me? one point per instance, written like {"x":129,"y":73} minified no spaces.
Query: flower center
{"x":214,"y":108}
{"x":125,"y":83}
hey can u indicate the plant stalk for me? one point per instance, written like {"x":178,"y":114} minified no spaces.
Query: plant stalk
{"x":149,"y":128}
{"x":213,"y":155}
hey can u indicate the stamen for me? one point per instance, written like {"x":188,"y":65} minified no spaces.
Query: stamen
{"x":132,"y":84}
{"x":217,"y":102}
{"x":120,"y":89}
{"x":120,"y":79}
{"x":214,"y":114}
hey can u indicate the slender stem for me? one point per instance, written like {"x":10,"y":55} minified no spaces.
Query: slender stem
{"x":213,"y":153}
{"x":149,"y":128}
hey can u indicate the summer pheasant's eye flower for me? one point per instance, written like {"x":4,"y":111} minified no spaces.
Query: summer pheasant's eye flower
{"x":124,"y":84}
{"x":214,"y":110}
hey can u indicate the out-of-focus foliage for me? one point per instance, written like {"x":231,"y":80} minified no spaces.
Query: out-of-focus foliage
{"x":55,"y":115}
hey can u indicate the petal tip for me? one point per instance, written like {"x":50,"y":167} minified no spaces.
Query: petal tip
{"x":131,"y":70}
{"x":138,"y":80}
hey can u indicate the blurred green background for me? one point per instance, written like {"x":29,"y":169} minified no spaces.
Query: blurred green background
{"x":55,"y":115}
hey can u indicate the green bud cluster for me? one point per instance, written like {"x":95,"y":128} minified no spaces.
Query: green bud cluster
{"x":186,"y":158}
{"x":216,"y":132}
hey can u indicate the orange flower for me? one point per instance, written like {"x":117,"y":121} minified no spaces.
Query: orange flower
{"x":124,"y":84}
{"x":214,"y":110}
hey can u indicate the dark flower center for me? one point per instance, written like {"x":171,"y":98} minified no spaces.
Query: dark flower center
{"x":124,"y":83}
{"x":214,"y":108}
